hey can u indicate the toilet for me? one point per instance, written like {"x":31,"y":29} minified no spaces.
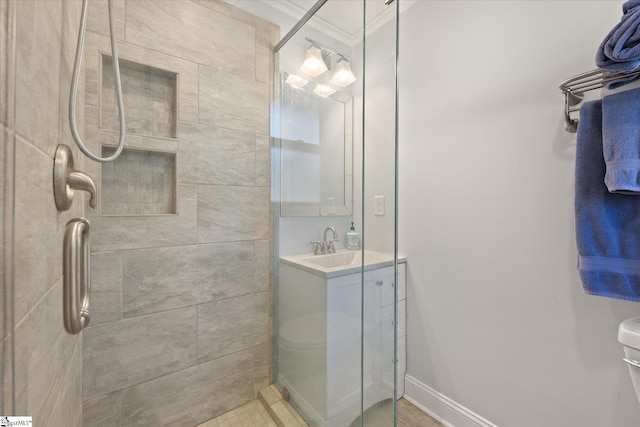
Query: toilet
{"x":629,"y":337}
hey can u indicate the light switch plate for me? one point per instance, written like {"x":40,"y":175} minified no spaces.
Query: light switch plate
{"x":378,"y":205}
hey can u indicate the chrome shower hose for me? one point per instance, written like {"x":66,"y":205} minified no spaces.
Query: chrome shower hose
{"x":74,"y":85}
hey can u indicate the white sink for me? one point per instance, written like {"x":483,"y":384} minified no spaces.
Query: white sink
{"x":339,"y":259}
{"x":341,"y":263}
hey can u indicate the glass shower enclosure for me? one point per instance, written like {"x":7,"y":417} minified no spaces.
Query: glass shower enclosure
{"x":336,"y":292}
{"x":205,"y":288}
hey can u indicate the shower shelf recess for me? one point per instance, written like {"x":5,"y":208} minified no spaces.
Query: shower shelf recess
{"x":150,"y":99}
{"x":139,"y":182}
{"x":142,"y":181}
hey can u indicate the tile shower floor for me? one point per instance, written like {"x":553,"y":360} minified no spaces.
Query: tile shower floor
{"x":253,"y":414}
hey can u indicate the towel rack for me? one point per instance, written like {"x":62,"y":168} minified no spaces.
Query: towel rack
{"x":573,"y":90}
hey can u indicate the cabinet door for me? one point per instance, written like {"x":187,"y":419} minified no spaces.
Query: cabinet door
{"x":383,"y":279}
{"x":343,"y":340}
{"x":382,"y":288}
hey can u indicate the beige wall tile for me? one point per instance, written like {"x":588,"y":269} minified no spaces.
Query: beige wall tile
{"x":4,"y":61}
{"x":106,"y":287}
{"x":211,"y":155}
{"x":264,"y":54}
{"x":98,"y":18}
{"x":263,"y":161}
{"x":263,"y":265}
{"x":103,"y":411}
{"x":68,"y":408}
{"x":196,"y":394}
{"x":232,"y":325}
{"x":233,"y":101}
{"x":196,"y":33}
{"x":179,"y":276}
{"x":37,"y":74}
{"x":128,"y":352}
{"x":43,"y":356}
{"x":6,"y":295}
{"x":232,"y":213}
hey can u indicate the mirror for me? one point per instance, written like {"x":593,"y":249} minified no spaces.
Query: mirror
{"x":316,"y":171}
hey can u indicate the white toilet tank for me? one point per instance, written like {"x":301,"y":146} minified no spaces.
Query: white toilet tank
{"x":629,"y":337}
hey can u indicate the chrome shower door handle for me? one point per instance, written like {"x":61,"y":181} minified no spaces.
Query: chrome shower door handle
{"x":76,"y":271}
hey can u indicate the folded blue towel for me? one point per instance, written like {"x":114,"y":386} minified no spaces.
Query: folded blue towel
{"x":620,"y":50}
{"x":621,"y":141}
{"x":607,"y":225}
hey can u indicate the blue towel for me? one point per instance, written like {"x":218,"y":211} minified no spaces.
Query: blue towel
{"x":620,"y":50}
{"x":621,"y":141}
{"x":607,"y":225}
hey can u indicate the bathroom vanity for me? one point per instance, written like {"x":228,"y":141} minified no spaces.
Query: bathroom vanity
{"x":326,"y":304}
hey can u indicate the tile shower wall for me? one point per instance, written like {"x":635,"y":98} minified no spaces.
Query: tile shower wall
{"x":48,"y":361}
{"x":6,"y":219}
{"x":181,"y":302}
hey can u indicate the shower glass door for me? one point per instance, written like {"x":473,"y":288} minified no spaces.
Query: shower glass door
{"x":334,"y":169}
{"x":179,"y":329}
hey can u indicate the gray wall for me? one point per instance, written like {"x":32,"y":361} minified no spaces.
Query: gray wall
{"x":48,"y":361}
{"x":497,"y":319}
{"x":181,"y":328}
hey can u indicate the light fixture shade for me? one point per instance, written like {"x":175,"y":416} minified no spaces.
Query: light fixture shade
{"x":323,"y":90}
{"x":313,"y":64}
{"x":296,"y":81}
{"x":343,"y":75}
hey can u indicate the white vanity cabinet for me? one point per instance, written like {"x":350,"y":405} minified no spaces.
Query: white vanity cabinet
{"x":320,"y":324}
{"x":383,"y":279}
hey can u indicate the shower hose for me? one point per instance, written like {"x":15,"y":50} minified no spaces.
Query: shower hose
{"x":74,"y":85}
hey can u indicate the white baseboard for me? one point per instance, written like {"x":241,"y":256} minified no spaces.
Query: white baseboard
{"x":440,"y":407}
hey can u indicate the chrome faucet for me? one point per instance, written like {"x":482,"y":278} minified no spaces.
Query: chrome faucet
{"x":327,"y":245}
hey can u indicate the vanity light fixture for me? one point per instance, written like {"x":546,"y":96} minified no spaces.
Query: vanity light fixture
{"x":323,"y":90}
{"x":343,"y":76}
{"x":296,"y":81}
{"x":313,"y":64}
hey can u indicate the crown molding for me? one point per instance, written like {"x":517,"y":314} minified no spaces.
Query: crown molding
{"x":296,"y":12}
{"x":327,"y":27}
{"x":379,"y":21}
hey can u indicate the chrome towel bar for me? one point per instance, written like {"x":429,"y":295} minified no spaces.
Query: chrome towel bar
{"x":76,"y":275}
{"x":573,"y":90}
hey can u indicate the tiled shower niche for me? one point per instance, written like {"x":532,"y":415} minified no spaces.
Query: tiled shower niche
{"x":149,"y":99}
{"x":138,"y":183}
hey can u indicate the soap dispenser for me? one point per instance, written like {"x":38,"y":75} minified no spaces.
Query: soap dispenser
{"x":353,"y":242}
